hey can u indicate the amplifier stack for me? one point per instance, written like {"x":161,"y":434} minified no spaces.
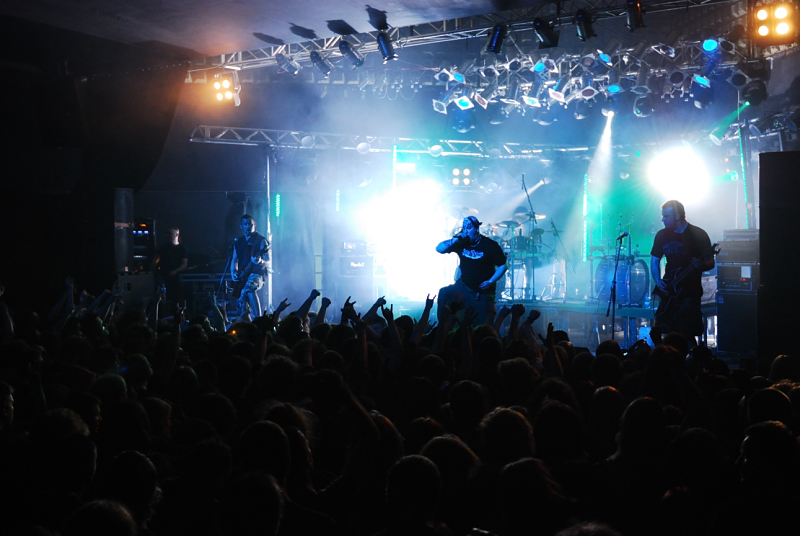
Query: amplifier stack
{"x":738,"y":277}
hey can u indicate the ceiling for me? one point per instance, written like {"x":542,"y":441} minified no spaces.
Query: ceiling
{"x":214,"y":27}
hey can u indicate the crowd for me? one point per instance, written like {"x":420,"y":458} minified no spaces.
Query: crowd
{"x":121,"y":421}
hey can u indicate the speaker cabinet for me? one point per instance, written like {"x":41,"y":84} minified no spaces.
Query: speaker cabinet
{"x":737,"y":322}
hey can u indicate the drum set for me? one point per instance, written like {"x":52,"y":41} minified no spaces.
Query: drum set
{"x":525,"y":251}
{"x":633,"y":277}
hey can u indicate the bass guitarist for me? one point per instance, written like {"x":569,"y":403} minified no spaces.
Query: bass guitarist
{"x":689,"y":253}
{"x":249,"y":267}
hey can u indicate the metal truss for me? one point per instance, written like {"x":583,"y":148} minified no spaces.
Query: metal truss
{"x":439,"y":32}
{"x":286,"y":139}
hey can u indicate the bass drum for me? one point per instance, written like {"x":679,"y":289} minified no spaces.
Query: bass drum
{"x":633,"y":282}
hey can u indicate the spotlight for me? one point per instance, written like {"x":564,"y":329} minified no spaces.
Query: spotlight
{"x":320,"y":62}
{"x":443,"y":76}
{"x":643,"y":106}
{"x":634,"y":15}
{"x":710,"y":46}
{"x":676,"y":78}
{"x":464,"y":102}
{"x":775,"y":24}
{"x":703,"y":94}
{"x":440,"y":104}
{"x":385,"y":47}
{"x":738,"y":79}
{"x":226,"y":87}
{"x":287,"y":64}
{"x":613,"y":82}
{"x":755,"y":92}
{"x":548,"y":38}
{"x":496,"y":37}
{"x":559,"y":91}
{"x":583,"y":25}
{"x":462,"y":121}
{"x":347,"y":50}
{"x":582,"y":109}
{"x":642,"y":86}
{"x":588,"y":90}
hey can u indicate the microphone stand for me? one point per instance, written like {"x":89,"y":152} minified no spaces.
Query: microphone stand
{"x":612,"y":300}
{"x":225,"y":271}
{"x":532,"y":288}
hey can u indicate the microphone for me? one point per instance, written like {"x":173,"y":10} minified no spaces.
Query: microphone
{"x":623,"y":235}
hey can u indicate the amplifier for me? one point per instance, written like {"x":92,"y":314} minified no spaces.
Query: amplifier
{"x":357,"y":266}
{"x":740,"y":234}
{"x":738,"y":278}
{"x":738,"y":251}
{"x":200,"y":283}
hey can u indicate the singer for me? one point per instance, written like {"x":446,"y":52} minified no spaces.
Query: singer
{"x":481,"y":263}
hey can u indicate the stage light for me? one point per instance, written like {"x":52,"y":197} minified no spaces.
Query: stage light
{"x":456,"y":181}
{"x":583,"y":25}
{"x":703,"y":94}
{"x":321,"y":63}
{"x":587,"y":90}
{"x":582,"y":109}
{"x":547,"y":36}
{"x":443,"y":76}
{"x":287,"y":64}
{"x":353,"y":56}
{"x":613,"y":82}
{"x":226,"y":88}
{"x":677,"y":78}
{"x":642,"y":86}
{"x":738,"y":79}
{"x":462,"y":121}
{"x":634,"y":15}
{"x":755,"y":92}
{"x":496,"y":37}
{"x":643,"y":106}
{"x":440,"y":104}
{"x":559,"y":91}
{"x":464,"y":102}
{"x":467,"y":181}
{"x":710,"y":46}
{"x":775,"y":24}
{"x":385,"y":47}
{"x":679,"y":173}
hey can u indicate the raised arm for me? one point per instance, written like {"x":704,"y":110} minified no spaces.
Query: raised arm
{"x":302,"y":312}
{"x":323,"y":308}
{"x":419,"y":327}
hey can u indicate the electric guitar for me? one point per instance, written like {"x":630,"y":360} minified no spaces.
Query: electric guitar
{"x":674,"y":288}
{"x":238,"y":286}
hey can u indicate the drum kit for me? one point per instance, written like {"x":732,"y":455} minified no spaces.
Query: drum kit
{"x":632,"y":276}
{"x":521,"y":240}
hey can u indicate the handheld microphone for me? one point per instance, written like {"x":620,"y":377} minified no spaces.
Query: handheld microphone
{"x":623,"y":235}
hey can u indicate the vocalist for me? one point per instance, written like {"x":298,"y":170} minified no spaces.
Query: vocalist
{"x":481,"y":264}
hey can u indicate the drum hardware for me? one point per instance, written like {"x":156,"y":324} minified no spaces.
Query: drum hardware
{"x":530,"y":215}
{"x":508,"y":224}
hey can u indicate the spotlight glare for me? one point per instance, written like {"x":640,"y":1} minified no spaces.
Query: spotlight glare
{"x":466,"y":172}
{"x":781,"y":12}
{"x":782,"y":28}
{"x":761,"y":14}
{"x":710,"y":46}
{"x":219,"y":96}
{"x":455,"y":181}
{"x":679,"y":174}
{"x":466,"y":181}
{"x":763,"y":31}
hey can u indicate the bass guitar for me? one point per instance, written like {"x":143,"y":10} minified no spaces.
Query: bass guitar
{"x":674,"y":288}
{"x":238,"y":286}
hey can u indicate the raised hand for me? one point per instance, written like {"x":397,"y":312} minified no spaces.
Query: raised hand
{"x":283,"y":305}
{"x":388,"y":314}
{"x":533,"y":316}
{"x":429,"y":301}
{"x":314,"y":294}
{"x":380,"y":302}
{"x":326,"y":302}
{"x":517,"y":310}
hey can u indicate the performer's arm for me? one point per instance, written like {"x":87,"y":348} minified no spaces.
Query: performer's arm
{"x":498,"y":273}
{"x":234,"y":264}
{"x":655,"y":272}
{"x":182,"y":267}
{"x":445,"y":245}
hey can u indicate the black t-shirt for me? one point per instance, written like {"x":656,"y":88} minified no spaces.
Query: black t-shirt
{"x":680,"y":248}
{"x":170,"y":257}
{"x":246,"y":248}
{"x":478,"y":262}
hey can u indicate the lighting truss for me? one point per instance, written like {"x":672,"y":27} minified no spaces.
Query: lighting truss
{"x":287,"y":139}
{"x":437,"y":32}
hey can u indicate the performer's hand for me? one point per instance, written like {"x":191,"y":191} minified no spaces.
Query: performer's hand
{"x":486,"y":284}
{"x":256,"y":259}
{"x":661,"y":284}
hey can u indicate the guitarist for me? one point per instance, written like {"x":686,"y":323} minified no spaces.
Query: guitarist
{"x":249,"y":267}
{"x":689,"y":253}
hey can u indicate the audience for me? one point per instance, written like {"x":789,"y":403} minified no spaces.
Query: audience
{"x":113,"y":422}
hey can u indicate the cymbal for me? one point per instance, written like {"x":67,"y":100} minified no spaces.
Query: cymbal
{"x":464,"y":211}
{"x":529,"y":215}
{"x":509,"y":224}
{"x":536,"y":232}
